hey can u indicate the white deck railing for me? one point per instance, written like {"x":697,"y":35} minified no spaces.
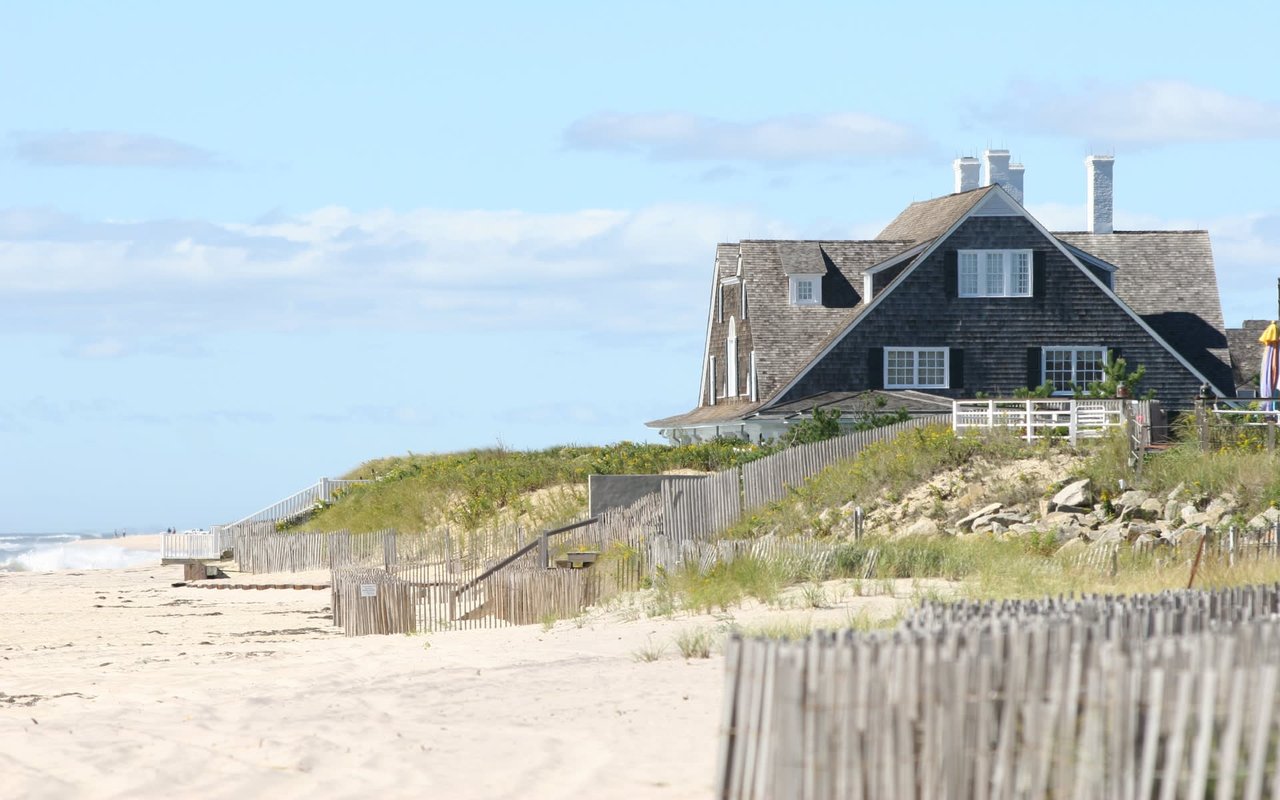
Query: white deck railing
{"x":196,"y":544}
{"x":220,"y":538}
{"x":298,"y":503}
{"x":1038,"y":418}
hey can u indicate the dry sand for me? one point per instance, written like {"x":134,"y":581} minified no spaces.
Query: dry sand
{"x":113,"y":683}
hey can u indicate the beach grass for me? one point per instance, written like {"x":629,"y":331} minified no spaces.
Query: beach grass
{"x":480,"y":487}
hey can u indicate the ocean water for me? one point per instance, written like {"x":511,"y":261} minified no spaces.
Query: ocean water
{"x":43,"y":552}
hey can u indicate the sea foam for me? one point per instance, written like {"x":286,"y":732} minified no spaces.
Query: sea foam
{"x":90,"y":554}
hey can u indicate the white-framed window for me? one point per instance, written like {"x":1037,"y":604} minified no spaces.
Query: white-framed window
{"x":806,"y":290}
{"x":916,"y":368}
{"x":994,"y":273}
{"x":731,"y":360}
{"x":1068,"y":368}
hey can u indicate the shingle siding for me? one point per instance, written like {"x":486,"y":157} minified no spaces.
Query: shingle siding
{"x":718,"y":342}
{"x":995,"y":333}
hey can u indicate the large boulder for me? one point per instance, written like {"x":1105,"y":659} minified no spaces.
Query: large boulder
{"x":1132,"y":499}
{"x":1267,"y":519}
{"x":1139,"y":529}
{"x":1112,"y":534}
{"x":1217,"y":509}
{"x":921,"y":527}
{"x":1075,"y":495}
{"x":986,"y":510}
{"x":1149,"y":509}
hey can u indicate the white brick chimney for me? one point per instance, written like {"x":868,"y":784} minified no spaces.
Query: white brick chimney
{"x":966,"y":173}
{"x":997,"y":168}
{"x":1100,"y":203}
{"x":1015,"y":181}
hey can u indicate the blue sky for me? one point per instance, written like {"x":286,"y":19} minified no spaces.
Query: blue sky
{"x":248,"y":246}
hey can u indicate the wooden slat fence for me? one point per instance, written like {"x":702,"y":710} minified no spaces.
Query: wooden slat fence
{"x":257,"y":553}
{"x":794,"y":556}
{"x":1163,"y":696}
{"x":464,"y":585}
{"x":468,"y":593}
{"x":698,"y":510}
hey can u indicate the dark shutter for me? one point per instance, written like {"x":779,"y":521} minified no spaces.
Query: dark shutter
{"x":875,"y":368}
{"x":1038,"y":270}
{"x":951,"y":273}
{"x":1114,"y":354}
{"x":1034,"y":375}
{"x":957,"y":368}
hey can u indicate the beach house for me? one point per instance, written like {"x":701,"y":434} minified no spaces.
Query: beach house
{"x":964,"y":294}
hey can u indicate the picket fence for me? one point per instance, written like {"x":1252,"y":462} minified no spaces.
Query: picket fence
{"x":1158,"y":696}
{"x":193,"y":545}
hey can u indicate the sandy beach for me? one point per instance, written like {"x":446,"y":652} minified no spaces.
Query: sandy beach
{"x":116,"y":684}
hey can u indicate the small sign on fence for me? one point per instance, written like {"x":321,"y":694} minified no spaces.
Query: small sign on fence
{"x":368,"y":590}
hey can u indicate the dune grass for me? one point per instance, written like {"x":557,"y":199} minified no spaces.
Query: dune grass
{"x":479,"y":487}
{"x":882,"y":473}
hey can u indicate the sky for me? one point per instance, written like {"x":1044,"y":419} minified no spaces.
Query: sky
{"x":244,"y":246}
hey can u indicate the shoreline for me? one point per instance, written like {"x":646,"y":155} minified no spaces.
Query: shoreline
{"x":116,"y":683}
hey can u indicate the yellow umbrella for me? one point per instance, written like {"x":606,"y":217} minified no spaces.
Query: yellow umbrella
{"x":1270,"y":340}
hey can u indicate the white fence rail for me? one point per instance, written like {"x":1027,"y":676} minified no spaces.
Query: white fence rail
{"x":298,"y":503}
{"x":1039,"y":418}
{"x":195,"y":544}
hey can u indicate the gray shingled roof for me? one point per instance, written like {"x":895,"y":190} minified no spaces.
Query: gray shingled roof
{"x":929,"y":219}
{"x":785,"y":336}
{"x":1168,"y":278}
{"x":852,"y":404}
{"x":706,"y":415}
{"x":1246,"y":351}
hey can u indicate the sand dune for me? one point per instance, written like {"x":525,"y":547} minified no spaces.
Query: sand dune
{"x":113,"y":684}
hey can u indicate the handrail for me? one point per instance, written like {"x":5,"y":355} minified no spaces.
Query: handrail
{"x":318,"y":490}
{"x":524,"y":549}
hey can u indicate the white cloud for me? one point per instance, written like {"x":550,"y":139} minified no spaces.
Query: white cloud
{"x":106,"y":283}
{"x":814,"y":137}
{"x":1141,"y":114}
{"x":107,"y":149}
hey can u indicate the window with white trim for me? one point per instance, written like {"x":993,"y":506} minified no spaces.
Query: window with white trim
{"x":994,"y":273}
{"x":806,"y":290}
{"x":731,"y":360}
{"x":1069,"y":368}
{"x":916,"y":368}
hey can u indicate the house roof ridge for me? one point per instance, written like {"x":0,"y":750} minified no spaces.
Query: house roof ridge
{"x":826,"y":241}
{"x":1122,"y":233}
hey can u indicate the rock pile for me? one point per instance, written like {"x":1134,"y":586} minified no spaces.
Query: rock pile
{"x":1011,"y":501}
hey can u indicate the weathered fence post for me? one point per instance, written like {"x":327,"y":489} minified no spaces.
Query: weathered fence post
{"x":1202,"y":423}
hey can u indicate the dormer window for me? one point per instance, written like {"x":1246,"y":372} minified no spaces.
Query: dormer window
{"x":806,"y":290}
{"x":995,"y":273}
